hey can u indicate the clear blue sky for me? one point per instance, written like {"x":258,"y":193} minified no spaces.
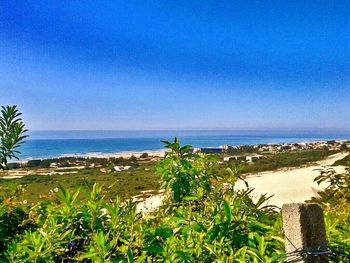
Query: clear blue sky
{"x":177,"y":64}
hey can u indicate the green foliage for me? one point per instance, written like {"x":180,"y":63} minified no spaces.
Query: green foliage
{"x":14,"y":216}
{"x":144,"y":155}
{"x":126,"y":184}
{"x":335,"y":201}
{"x":338,"y":184}
{"x":185,"y":174}
{"x":345,"y":161}
{"x":12,"y":131}
{"x":67,"y":228}
{"x":224,"y":227}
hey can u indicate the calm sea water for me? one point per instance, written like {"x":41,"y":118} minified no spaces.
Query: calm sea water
{"x":45,"y":144}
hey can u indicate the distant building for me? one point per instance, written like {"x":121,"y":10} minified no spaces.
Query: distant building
{"x":224,"y":147}
{"x":121,"y":168}
{"x":227,"y":158}
{"x":243,"y":158}
{"x":234,"y":158}
{"x":196,"y":150}
{"x":252,"y":158}
{"x":53,"y":165}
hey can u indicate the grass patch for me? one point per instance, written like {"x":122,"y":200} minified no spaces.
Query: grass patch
{"x":123,"y":184}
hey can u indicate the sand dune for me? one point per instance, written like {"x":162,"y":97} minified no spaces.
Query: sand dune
{"x":292,"y":185}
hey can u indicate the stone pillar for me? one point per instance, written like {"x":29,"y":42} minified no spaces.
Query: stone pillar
{"x":304,"y":228}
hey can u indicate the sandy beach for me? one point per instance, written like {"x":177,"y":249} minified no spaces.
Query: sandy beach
{"x":125,"y":154}
{"x":290,"y":185}
{"x":153,"y":153}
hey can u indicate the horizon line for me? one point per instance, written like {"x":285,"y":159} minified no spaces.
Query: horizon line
{"x":196,"y":129}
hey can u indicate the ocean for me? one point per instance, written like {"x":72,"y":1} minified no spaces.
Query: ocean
{"x":48,"y":144}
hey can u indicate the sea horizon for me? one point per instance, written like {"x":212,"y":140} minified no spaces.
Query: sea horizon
{"x":53,"y":144}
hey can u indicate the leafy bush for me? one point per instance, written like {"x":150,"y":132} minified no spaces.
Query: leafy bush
{"x":185,"y":174}
{"x":14,"y":216}
{"x":144,"y":155}
{"x":335,"y":200}
{"x":338,"y":188}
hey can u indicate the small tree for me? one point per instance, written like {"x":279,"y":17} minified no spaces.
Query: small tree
{"x":12,"y":134}
{"x":343,"y":147}
{"x":187,"y":175}
{"x":144,"y":155}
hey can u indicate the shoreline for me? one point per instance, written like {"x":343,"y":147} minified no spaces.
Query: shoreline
{"x":123,"y":154}
{"x":157,"y":152}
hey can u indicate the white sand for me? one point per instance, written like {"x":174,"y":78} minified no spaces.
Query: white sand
{"x":150,"y":204}
{"x":11,"y":177}
{"x":290,"y":186}
{"x":151,"y":153}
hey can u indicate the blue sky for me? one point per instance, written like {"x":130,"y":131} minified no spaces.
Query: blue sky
{"x":177,"y":64}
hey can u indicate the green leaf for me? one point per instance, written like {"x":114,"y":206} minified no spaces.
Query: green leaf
{"x":198,"y":227}
{"x":191,"y":198}
{"x":130,"y":256}
{"x":153,"y":249}
{"x":228,"y":212}
{"x":164,"y":231}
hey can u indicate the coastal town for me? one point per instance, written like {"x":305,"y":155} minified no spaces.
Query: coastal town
{"x":249,"y":154}
{"x":279,"y":147}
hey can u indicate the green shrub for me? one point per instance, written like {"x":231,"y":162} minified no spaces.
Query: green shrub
{"x":335,"y":201}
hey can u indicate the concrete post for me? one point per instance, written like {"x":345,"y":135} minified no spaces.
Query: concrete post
{"x":304,"y":228}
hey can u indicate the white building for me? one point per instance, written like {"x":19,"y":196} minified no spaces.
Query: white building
{"x":252,"y":158}
{"x":53,"y":165}
{"x":121,"y":168}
